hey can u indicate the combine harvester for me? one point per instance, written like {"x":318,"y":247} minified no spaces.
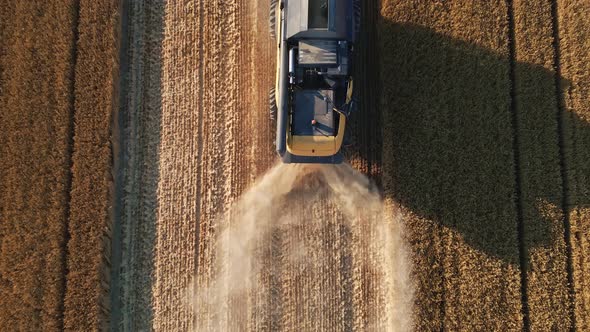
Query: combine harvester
{"x":313,"y":94}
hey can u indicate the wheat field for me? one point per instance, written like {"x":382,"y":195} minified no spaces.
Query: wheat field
{"x":139,"y":189}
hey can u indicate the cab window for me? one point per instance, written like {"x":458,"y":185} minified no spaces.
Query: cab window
{"x":318,"y":14}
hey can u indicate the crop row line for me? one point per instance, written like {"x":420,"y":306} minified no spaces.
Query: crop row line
{"x":522,"y":250}
{"x":562,"y":161}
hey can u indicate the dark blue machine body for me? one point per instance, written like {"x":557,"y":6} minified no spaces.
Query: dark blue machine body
{"x":316,"y":38}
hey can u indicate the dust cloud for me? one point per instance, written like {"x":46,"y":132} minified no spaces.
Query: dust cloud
{"x":307,"y":247}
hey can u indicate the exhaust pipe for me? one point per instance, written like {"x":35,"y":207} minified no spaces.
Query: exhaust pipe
{"x":292,"y":55}
{"x":283,"y":111}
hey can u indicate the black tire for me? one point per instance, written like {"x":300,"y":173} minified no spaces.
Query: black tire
{"x":272,"y":24}
{"x":272,"y":104}
{"x":349,"y":142}
{"x":349,"y":139}
{"x":353,"y":106}
{"x":354,"y":103}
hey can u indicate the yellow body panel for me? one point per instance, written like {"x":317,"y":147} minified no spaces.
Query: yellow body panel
{"x":349,"y":91}
{"x":278,"y":41}
{"x":316,"y":146}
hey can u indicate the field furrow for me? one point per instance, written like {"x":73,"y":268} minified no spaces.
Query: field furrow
{"x":36,"y":132}
{"x":140,"y":128}
{"x":87,"y":305}
{"x":536,"y":104}
{"x":574,"y":84}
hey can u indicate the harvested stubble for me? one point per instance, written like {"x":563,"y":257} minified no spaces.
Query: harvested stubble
{"x":183,"y":130}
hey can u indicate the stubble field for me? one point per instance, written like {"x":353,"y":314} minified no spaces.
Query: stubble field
{"x":136,"y":136}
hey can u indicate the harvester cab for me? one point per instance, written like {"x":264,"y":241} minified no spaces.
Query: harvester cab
{"x":313,"y":93}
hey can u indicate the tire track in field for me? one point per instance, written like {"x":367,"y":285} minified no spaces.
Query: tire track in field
{"x":574,"y":59}
{"x":140,"y":135}
{"x":522,"y":248}
{"x":562,"y":163}
{"x":534,"y":105}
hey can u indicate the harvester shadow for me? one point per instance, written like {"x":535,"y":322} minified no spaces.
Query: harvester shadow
{"x":447,"y":138}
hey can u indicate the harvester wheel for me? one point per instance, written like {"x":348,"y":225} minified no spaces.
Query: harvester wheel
{"x":272,"y":24}
{"x":350,"y":141}
{"x":272,"y":102}
{"x":354,"y":103}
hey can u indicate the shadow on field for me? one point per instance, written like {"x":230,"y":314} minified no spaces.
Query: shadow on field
{"x":447,"y":135}
{"x":365,"y":125}
{"x":137,"y":167}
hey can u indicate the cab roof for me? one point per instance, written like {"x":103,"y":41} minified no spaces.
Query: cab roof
{"x":319,"y":19}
